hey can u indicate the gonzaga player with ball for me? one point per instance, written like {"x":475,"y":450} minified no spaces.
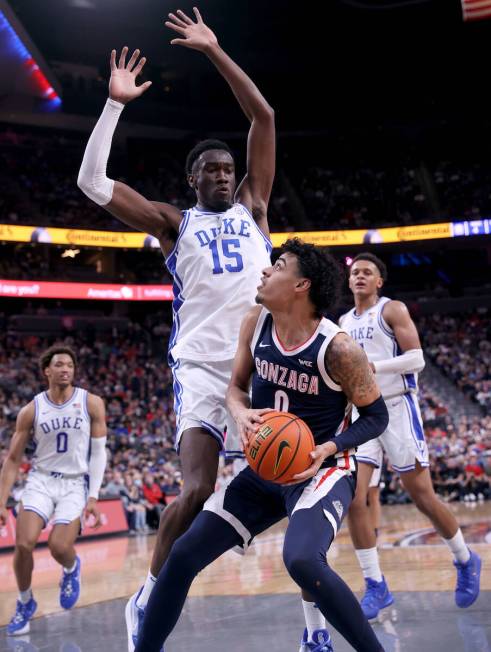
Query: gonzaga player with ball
{"x":299,"y":361}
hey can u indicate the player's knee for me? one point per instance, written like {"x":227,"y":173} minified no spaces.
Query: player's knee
{"x":425,"y":502}
{"x":25,"y":545}
{"x":195,"y":496}
{"x":59,"y":548}
{"x":184,"y":555}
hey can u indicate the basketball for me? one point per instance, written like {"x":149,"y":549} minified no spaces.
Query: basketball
{"x":281,"y":447}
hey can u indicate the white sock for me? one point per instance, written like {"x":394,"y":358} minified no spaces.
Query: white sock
{"x":313,"y":618}
{"x":458,"y":547}
{"x":25,"y":596}
{"x":369,"y":563}
{"x":147,"y":589}
{"x":72,"y":568}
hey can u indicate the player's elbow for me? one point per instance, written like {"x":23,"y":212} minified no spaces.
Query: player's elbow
{"x":99,"y":189}
{"x":265,"y":114}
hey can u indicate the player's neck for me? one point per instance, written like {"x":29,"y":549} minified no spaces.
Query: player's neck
{"x":293,"y":329}
{"x":365,"y":303}
{"x":60,"y":395}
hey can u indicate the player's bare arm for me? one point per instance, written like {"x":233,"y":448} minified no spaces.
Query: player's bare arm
{"x":397,"y":317}
{"x":98,"y":457}
{"x":156,"y":218}
{"x":255,"y":189}
{"x":10,"y":468}
{"x":238,"y":400}
{"x":348,"y":366}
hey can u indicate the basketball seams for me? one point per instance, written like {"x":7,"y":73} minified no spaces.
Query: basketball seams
{"x":276,"y":416}
{"x":299,"y":437}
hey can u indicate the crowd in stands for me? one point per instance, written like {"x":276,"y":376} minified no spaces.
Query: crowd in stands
{"x":38,"y":172}
{"x":130,"y":372}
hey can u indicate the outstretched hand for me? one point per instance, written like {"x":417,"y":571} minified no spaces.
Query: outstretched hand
{"x":122,"y":85}
{"x":197,"y":35}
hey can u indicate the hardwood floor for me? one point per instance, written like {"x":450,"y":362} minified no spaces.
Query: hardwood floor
{"x":114,"y":568}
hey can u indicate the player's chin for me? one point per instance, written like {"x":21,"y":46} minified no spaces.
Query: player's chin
{"x":221,"y":203}
{"x":259,"y":298}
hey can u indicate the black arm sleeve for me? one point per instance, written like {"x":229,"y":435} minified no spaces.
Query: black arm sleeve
{"x":372,"y":422}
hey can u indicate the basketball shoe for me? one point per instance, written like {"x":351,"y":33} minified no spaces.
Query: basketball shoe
{"x":321,"y":641}
{"x":468,"y":579}
{"x":377,"y":596}
{"x":19,"y":623}
{"x":70,"y":586}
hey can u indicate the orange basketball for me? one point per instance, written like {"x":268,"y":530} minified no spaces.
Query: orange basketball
{"x":280,"y":448}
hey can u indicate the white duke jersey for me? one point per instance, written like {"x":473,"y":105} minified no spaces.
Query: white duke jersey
{"x":375,"y":336}
{"x":62,"y":434}
{"x":216,"y":264}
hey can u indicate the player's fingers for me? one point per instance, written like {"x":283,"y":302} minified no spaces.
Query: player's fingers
{"x":185,"y":18}
{"x":197,"y":14}
{"x":176,"y":28}
{"x":112,"y":60}
{"x":139,"y":66}
{"x":257,"y":418}
{"x":265,"y":410}
{"x":122,"y":57}
{"x":133,"y":59}
{"x":178,"y":41}
{"x":177,"y":21}
{"x":145,"y":87}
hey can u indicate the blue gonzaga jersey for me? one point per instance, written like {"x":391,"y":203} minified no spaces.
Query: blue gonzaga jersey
{"x":296,"y":380}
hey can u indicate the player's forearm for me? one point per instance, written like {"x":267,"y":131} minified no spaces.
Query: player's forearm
{"x":408,"y":362}
{"x":372,"y":422}
{"x":237,"y":400}
{"x":7,"y":479}
{"x":92,"y":179}
{"x":245,"y":90}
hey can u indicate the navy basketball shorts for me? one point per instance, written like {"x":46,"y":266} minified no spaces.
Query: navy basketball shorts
{"x":251,"y":505}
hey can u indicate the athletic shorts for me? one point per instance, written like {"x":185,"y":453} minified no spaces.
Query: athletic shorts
{"x":376,"y":475}
{"x":64,"y":499}
{"x":252,"y":505}
{"x":403,"y":442}
{"x":199,"y":401}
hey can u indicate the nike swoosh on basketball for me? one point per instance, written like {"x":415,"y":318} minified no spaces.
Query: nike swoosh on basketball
{"x":283,"y":444}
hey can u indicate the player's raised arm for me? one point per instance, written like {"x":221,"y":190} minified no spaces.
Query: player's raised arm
{"x":238,"y":399}
{"x":157,"y":218}
{"x":255,"y":189}
{"x":10,"y":467}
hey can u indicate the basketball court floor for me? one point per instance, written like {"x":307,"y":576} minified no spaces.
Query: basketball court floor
{"x":249,"y":604}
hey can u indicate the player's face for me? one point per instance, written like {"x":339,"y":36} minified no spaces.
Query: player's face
{"x":364,"y":278}
{"x":280,"y":283}
{"x":214,"y":180}
{"x":60,"y":371}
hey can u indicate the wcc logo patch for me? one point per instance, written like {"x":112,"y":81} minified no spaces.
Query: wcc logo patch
{"x":338,"y":506}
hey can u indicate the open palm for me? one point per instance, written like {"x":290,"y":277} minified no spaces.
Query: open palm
{"x":122,"y":85}
{"x":197,"y":35}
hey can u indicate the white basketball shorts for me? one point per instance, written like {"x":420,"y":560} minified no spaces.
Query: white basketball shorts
{"x":48,"y":496}
{"x":403,"y":442}
{"x":199,"y":401}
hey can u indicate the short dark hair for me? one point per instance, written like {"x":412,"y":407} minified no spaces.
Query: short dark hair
{"x":372,"y":258}
{"x":323,"y":271}
{"x":204,"y":146}
{"x":46,"y":357}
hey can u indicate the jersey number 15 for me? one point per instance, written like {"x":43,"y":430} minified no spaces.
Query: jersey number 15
{"x":228,"y":247}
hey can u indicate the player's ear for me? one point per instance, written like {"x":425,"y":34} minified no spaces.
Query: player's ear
{"x":303,"y":284}
{"x":380,"y":282}
{"x":192,"y":181}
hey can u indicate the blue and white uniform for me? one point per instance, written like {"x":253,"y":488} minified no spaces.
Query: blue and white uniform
{"x":56,"y":484}
{"x":216,"y":264}
{"x":404,"y":440}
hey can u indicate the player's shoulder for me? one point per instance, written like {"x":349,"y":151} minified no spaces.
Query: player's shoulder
{"x":394,"y":309}
{"x":95,"y":403}
{"x":27,"y":413}
{"x":250,"y":320}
